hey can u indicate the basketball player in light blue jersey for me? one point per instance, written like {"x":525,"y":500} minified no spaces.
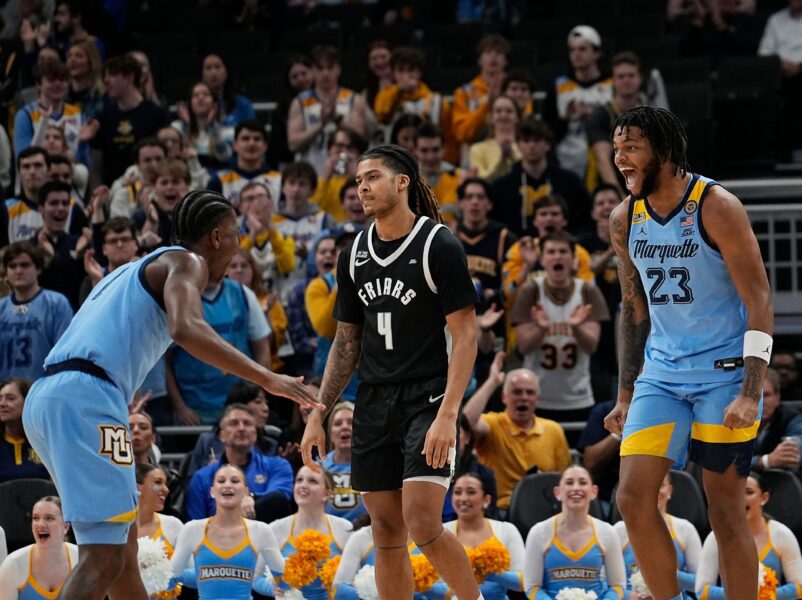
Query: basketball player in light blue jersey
{"x":695,"y":341}
{"x":76,"y":415}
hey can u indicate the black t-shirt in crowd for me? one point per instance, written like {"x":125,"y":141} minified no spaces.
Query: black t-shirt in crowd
{"x":400,"y":292}
{"x":121,"y":129}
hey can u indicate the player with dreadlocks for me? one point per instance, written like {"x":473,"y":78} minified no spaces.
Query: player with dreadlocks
{"x":401,"y":284}
{"x":76,"y":415}
{"x":694,"y":344}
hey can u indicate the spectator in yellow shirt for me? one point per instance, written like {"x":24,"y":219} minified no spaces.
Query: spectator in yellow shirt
{"x":523,"y":258}
{"x":472,"y":100}
{"x":443,"y":177}
{"x":345,"y":146}
{"x":514,"y":441}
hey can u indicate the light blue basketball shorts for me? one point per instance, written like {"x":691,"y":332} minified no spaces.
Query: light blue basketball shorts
{"x":78,"y":424}
{"x":664,"y":419}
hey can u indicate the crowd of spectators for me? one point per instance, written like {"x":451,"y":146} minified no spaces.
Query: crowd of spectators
{"x":93,"y":160}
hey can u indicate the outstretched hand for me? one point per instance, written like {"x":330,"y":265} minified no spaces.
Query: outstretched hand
{"x":314,"y":437}
{"x":294,"y":389}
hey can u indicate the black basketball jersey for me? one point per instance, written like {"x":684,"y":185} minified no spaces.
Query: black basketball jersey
{"x":400,"y":292}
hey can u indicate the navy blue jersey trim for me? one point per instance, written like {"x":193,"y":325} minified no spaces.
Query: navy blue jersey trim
{"x":702,"y":230}
{"x":657,"y":218}
{"x":630,"y":212}
{"x":28,"y":301}
{"x":143,"y":280}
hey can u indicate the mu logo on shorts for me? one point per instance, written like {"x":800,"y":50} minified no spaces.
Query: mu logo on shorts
{"x":115,"y":444}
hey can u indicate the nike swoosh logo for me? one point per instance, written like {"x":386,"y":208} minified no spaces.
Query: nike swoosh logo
{"x":359,"y":263}
{"x":433,"y":399}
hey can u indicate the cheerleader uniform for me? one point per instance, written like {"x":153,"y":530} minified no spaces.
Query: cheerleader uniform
{"x":686,"y":542}
{"x":227,"y":574}
{"x":16,"y":575}
{"x":339,"y":532}
{"x":781,"y":553}
{"x":495,"y":586}
{"x":167,"y":533}
{"x":359,"y":552}
{"x":550,"y":566}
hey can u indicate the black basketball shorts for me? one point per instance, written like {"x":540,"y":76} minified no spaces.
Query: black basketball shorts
{"x":389,"y":431}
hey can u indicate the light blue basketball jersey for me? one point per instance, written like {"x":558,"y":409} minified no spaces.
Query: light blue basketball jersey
{"x":122,"y":327}
{"x":204,"y":387}
{"x":225,"y":574}
{"x":696,"y":314}
{"x":29,"y":330}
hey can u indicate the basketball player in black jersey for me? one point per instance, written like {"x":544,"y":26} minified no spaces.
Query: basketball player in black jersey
{"x":399,"y":285}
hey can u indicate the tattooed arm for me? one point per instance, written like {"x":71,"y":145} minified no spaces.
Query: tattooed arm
{"x":340,"y":365}
{"x":727,"y":226}
{"x":633,"y":322}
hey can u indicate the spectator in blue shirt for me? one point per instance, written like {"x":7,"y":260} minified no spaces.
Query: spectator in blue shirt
{"x":233,"y":108}
{"x":269,"y":478}
{"x":32,"y":319}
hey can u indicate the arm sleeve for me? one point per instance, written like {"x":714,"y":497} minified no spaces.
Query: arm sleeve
{"x":768,"y":43}
{"x":283,"y":251}
{"x":467,"y":123}
{"x":347,"y":307}
{"x":449,"y":267}
{"x":351,"y":561}
{"x":265,"y":542}
{"x":190,"y":538}
{"x":513,"y":578}
{"x":320,"y":300}
{"x":788,"y":549}
{"x":536,"y":542}
{"x":692,"y":545}
{"x":23,"y":131}
{"x":62,"y":315}
{"x":280,"y":476}
{"x":171,"y":527}
{"x":707,"y":572}
{"x":613,"y":561}
{"x":13,"y":573}
{"x":194,"y":504}
{"x":258,"y":327}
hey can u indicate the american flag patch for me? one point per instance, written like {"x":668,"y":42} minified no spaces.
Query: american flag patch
{"x":686,"y":221}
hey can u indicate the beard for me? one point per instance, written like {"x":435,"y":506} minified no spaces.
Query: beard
{"x":650,"y":176}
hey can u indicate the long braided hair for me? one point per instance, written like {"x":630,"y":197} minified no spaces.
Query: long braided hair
{"x":422,"y":200}
{"x":196,"y":214}
{"x":664,"y":131}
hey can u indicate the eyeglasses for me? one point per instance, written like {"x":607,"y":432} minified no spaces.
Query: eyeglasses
{"x":119,"y":241}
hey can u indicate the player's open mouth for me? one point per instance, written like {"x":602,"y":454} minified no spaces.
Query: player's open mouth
{"x":630,"y":177}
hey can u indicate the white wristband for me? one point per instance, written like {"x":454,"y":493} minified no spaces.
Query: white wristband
{"x":757,"y":344}
{"x":765,"y":461}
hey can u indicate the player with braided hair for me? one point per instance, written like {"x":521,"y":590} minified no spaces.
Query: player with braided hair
{"x":694,"y":344}
{"x":403,"y":285}
{"x":76,"y":415}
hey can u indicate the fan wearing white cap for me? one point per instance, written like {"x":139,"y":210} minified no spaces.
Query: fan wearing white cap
{"x":573,"y":96}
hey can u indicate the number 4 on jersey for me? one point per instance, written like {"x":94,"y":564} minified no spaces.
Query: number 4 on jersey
{"x":384,"y":326}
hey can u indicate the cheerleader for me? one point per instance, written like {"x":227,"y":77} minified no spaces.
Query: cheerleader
{"x":229,"y":551}
{"x":686,"y":541}
{"x":311,"y":492}
{"x":360,"y":552}
{"x":573,"y":549}
{"x":470,"y":501}
{"x":777,"y":548}
{"x":38,"y":571}
{"x":152,"y":484}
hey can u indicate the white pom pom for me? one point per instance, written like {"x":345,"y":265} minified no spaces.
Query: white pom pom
{"x":365,"y":583}
{"x":292,"y":594}
{"x":575,"y":594}
{"x":761,"y":575}
{"x":638,"y":585}
{"x":154,"y":566}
